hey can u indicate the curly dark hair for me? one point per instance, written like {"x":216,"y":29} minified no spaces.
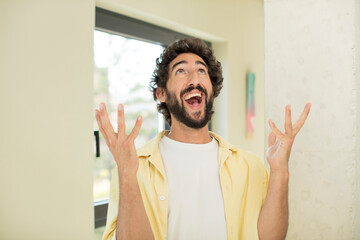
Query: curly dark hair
{"x":186,"y":45}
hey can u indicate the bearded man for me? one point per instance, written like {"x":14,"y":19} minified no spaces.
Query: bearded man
{"x":189,"y":183}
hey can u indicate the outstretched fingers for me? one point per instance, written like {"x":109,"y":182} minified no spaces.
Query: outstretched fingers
{"x":271,"y":139}
{"x":98,"y":119}
{"x":288,"y":123}
{"x":104,"y":123}
{"x":107,"y":130}
{"x":134,"y":133}
{"x":299,"y":123}
{"x":121,"y":121}
{"x":275,"y":130}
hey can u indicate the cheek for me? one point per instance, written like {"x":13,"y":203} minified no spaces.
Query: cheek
{"x":174,"y":91}
{"x":209,"y":87}
{"x":173,"y":85}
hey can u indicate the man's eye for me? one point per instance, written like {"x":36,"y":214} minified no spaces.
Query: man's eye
{"x":180,"y":71}
{"x":202,"y":71}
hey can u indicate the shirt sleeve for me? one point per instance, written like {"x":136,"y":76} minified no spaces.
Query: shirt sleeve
{"x":113,"y":207}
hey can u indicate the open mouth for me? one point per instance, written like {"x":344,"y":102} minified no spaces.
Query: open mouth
{"x":194,"y":99}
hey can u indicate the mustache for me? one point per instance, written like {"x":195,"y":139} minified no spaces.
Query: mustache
{"x":189,"y":89}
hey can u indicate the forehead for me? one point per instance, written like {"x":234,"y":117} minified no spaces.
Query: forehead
{"x":191,"y":58}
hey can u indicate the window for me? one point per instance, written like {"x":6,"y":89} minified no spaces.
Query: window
{"x":125,"y":51}
{"x":123,"y":69}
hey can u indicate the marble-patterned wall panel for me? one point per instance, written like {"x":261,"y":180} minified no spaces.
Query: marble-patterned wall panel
{"x":356,"y":26}
{"x":312,"y":55}
{"x":309,"y":58}
{"x":321,"y":194}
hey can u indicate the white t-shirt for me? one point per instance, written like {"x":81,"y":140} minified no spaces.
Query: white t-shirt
{"x":196,"y":206}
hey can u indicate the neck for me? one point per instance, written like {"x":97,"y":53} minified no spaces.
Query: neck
{"x":182,"y":133}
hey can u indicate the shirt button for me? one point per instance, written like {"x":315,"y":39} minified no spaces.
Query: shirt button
{"x":162,"y":197}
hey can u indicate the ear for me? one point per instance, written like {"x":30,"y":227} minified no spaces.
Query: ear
{"x":160,"y":94}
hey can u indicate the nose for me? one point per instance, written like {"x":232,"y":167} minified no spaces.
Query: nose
{"x":194,"y":79}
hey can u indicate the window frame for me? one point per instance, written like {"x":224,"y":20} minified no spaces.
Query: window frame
{"x":118,"y":24}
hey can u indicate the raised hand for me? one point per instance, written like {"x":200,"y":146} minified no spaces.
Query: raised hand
{"x":279,"y":144}
{"x":121,"y":145}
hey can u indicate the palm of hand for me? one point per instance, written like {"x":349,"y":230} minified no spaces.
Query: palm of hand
{"x":279,"y":144}
{"x":120,"y":144}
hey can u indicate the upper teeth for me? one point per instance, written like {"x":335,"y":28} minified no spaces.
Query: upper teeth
{"x":192,"y":95}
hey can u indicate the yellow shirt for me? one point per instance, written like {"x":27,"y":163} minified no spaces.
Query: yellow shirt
{"x":243,"y":178}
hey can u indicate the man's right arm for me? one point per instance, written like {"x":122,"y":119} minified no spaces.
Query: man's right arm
{"x":132,"y":221}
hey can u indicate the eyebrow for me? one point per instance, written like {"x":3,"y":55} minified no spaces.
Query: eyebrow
{"x":184,"y":61}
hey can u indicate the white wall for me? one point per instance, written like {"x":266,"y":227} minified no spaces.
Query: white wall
{"x":46,"y":99}
{"x":46,"y":139}
{"x":312,"y":55}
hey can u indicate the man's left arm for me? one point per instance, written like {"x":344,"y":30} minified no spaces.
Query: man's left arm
{"x":274,"y":215}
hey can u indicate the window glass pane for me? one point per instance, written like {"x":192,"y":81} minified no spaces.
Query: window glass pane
{"x":99,"y":232}
{"x":123,"y":69}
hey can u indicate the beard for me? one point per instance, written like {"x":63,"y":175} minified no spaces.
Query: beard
{"x":177,"y":109}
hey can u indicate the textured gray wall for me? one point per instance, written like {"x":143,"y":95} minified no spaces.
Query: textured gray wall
{"x":311,"y":55}
{"x":357,"y":86}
